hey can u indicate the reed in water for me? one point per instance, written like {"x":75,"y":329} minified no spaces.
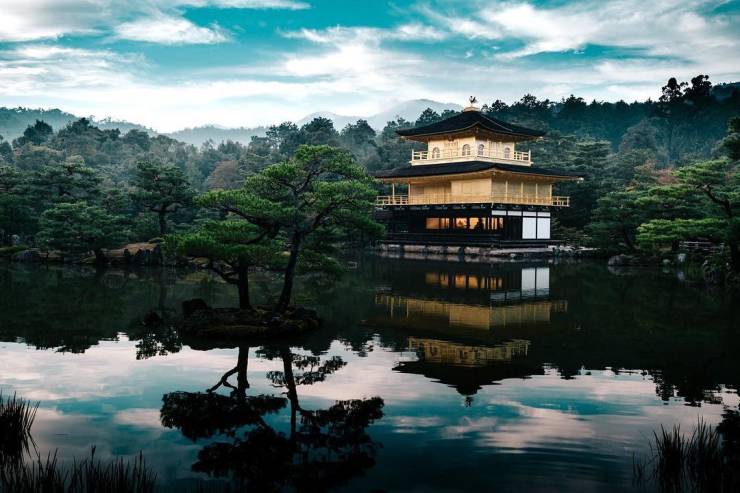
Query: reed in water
{"x":707,"y":460}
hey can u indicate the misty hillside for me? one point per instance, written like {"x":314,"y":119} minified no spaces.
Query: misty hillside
{"x":13,"y":121}
{"x":408,"y":110}
{"x":198,"y":135}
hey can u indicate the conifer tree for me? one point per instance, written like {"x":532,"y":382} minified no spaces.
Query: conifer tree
{"x":161,"y":189}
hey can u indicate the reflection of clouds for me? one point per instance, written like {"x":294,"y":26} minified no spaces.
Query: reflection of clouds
{"x":468,"y":426}
{"x":413,"y":424}
{"x":616,"y":391}
{"x":538,"y":427}
{"x":105,"y":370}
{"x":139,"y":417}
{"x":544,"y":423}
{"x":68,"y":433}
{"x":603,"y":411}
{"x":374,"y":376}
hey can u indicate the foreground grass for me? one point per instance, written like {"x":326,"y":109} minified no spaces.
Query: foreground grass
{"x":46,"y":475}
{"x":705,"y":461}
{"x":86,"y":476}
{"x":16,"y":418}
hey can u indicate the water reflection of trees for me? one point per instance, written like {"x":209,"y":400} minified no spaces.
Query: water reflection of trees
{"x":71,"y":308}
{"x":680,"y":335}
{"x":321,"y":448}
{"x":677,"y":333}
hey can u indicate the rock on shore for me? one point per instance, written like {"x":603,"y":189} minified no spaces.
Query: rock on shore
{"x":137,"y":254}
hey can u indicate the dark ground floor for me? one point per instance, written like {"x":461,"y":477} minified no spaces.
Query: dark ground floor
{"x":467,"y":225}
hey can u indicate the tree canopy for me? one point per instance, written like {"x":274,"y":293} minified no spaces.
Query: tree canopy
{"x":316,"y":199}
{"x":78,"y":228}
{"x":626,"y":149}
{"x":161,"y":189}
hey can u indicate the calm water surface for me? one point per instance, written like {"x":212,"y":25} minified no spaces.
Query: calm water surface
{"x":526,"y":377}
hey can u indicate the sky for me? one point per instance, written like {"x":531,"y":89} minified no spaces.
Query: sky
{"x":171,"y":64}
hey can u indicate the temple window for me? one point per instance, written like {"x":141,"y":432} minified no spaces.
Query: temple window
{"x":466,"y":150}
{"x":435,"y":153}
{"x":481,"y":149}
{"x":437,"y":223}
{"x":507,"y":152}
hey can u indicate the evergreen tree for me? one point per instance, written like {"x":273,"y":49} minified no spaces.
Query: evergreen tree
{"x":427,"y":117}
{"x":394,"y":151}
{"x":319,"y":131}
{"x":284,"y":139}
{"x":68,"y":181}
{"x":6,"y":152}
{"x":35,"y":134}
{"x":670,"y":109}
{"x":719,"y":183}
{"x":615,"y":220}
{"x":16,"y":215}
{"x":162,"y":190}
{"x":232,"y":247}
{"x":359,"y":139}
{"x":78,"y":228}
{"x":731,"y":143}
{"x":314,"y":200}
{"x":589,"y":158}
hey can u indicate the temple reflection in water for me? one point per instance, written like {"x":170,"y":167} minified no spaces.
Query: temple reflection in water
{"x":451,"y":353}
{"x":476,"y":300}
{"x":467,"y":325}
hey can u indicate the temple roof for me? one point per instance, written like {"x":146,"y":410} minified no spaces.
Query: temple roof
{"x":470,"y":167}
{"x":468,"y":120}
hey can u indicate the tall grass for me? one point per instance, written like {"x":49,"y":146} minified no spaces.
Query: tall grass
{"x":16,"y":419}
{"x":86,"y":476}
{"x":699,"y":462}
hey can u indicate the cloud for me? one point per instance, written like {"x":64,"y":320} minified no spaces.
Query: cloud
{"x":48,"y":69}
{"x":29,"y":20}
{"x":248,"y":4}
{"x":25,"y":20}
{"x":169,"y":30}
{"x":603,"y":50}
{"x":353,"y":61}
{"x":373,"y":35}
{"x":673,"y":28}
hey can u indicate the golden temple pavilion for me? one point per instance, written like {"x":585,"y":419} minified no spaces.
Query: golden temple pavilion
{"x":471,"y":186}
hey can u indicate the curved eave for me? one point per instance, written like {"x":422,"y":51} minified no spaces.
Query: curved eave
{"x":471,"y":121}
{"x":430,"y":172}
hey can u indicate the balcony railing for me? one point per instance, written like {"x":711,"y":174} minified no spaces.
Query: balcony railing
{"x":440,"y":199}
{"x":446,"y":155}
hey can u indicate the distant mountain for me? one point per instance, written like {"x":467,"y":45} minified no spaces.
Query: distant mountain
{"x":122,"y":125}
{"x":13,"y":121}
{"x":340,"y":121}
{"x":198,"y":135}
{"x":408,"y":110}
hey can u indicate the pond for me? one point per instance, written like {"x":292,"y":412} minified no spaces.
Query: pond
{"x":424,"y":376}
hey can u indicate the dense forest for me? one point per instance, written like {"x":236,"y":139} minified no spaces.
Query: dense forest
{"x":118,"y":187}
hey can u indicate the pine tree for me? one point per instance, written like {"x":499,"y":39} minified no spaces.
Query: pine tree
{"x":161,"y":189}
